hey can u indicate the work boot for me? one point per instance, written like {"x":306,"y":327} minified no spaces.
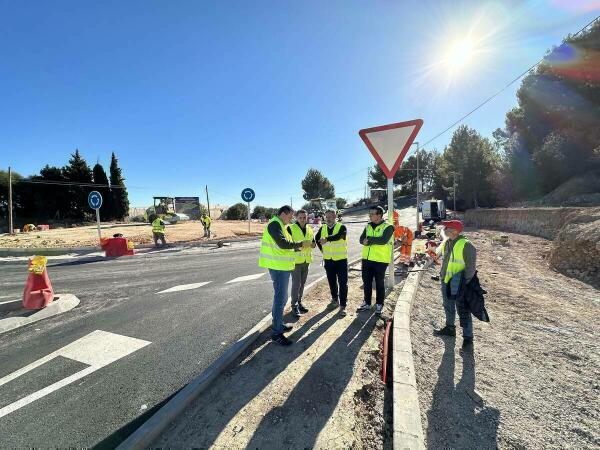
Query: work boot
{"x":364,"y":307}
{"x":446,"y":331}
{"x":467,"y":344}
{"x":342,"y":311}
{"x":296,"y":311}
{"x":378,"y":309}
{"x":301,"y":308}
{"x":332,"y":304}
{"x":287,"y":328}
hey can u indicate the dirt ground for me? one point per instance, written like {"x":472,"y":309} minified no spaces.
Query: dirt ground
{"x":87,"y":236}
{"x":322,"y":392}
{"x":536,"y":366}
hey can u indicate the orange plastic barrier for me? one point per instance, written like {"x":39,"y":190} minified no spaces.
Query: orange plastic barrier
{"x":116,"y":247}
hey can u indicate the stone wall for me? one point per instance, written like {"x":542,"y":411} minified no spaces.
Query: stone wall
{"x":575,"y":232}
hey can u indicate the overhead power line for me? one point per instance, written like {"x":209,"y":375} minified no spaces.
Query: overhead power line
{"x":69,"y":183}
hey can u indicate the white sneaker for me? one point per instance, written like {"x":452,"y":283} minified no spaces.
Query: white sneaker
{"x":378,"y":309}
{"x":364,"y":307}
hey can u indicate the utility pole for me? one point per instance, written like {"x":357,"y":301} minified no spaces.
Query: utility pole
{"x":417,"y":186}
{"x":454,"y":194}
{"x":207,"y":201}
{"x":10,"y":211}
{"x":291,"y":202}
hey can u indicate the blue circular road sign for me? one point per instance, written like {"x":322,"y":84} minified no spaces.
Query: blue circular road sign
{"x":95,"y":200}
{"x":248,"y":195}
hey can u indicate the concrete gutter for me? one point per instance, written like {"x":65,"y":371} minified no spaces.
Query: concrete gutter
{"x":143,"y":437}
{"x":50,"y":251}
{"x":62,"y":303}
{"x":408,"y":429}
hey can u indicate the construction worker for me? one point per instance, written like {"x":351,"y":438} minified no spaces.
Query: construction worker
{"x":459,"y":258}
{"x":277,"y":255}
{"x":300,"y":231}
{"x":206,"y":221}
{"x":405,"y":236}
{"x":378,"y":245}
{"x":158,"y":232}
{"x":331,"y":239}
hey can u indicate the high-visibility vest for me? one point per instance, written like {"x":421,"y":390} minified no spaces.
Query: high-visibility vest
{"x":335,"y":250}
{"x":456,"y":262}
{"x":206,"y":220}
{"x":158,"y":226}
{"x":378,"y":252}
{"x":271,"y":255}
{"x":304,"y":255}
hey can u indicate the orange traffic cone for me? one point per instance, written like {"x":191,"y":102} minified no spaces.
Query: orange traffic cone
{"x":38,"y":291}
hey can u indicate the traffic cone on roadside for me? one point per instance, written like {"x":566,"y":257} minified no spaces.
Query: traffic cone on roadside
{"x":38,"y":291}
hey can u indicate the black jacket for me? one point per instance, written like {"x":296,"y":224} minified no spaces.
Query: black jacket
{"x":473,"y":293}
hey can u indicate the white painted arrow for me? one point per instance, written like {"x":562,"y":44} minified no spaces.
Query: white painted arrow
{"x":97,"y":349}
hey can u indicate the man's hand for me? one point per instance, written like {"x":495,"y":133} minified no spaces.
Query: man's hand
{"x":322,"y":241}
{"x":306,"y":244}
{"x":313,"y":244}
{"x":365,"y":241}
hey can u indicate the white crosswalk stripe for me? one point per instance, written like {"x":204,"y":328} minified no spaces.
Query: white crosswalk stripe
{"x":185,"y":287}
{"x":246,"y":278}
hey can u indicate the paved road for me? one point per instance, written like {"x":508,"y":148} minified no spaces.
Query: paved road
{"x":150,"y":344}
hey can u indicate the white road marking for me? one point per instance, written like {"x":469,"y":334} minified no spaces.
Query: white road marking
{"x":185,"y":287}
{"x":246,"y":278}
{"x":97,"y":349}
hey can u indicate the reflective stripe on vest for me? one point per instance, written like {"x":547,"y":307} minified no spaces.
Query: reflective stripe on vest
{"x":336,"y":250}
{"x":456,"y":262}
{"x":271,"y":255}
{"x":157,"y":227}
{"x":378,"y":252}
{"x":304,"y":255}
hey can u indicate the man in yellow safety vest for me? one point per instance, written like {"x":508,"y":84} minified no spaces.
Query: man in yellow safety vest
{"x":378,"y":245}
{"x":300,"y":231}
{"x":158,"y":232}
{"x":277,"y":254}
{"x":206,"y":220}
{"x":331,"y":239}
{"x":459,"y":258}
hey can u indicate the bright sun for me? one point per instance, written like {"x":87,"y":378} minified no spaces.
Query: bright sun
{"x":459,"y":54}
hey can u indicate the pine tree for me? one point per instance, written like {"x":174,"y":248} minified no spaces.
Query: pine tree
{"x":78,"y":171}
{"x":119,"y":195}
{"x":101,"y":179}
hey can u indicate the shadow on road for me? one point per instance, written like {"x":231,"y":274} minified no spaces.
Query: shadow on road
{"x":315,"y":397}
{"x":455,"y":419}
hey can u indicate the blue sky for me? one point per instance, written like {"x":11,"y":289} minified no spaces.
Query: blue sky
{"x":232,"y":94}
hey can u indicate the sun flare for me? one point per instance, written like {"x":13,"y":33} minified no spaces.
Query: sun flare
{"x":459,"y":54}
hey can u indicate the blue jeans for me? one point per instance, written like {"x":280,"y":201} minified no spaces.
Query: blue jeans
{"x":451,"y":305}
{"x":281,"y":279}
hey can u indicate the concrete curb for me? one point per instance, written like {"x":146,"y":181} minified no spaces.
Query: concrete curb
{"x":61,"y":304}
{"x":144,"y":436}
{"x":408,"y":430}
{"x":49,"y":251}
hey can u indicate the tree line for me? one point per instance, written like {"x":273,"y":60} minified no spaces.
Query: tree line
{"x":60,"y":193}
{"x":552,"y":136}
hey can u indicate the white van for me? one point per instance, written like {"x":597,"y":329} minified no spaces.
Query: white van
{"x":433,"y":210}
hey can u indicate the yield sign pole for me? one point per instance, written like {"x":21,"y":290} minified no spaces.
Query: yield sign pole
{"x":389,"y":145}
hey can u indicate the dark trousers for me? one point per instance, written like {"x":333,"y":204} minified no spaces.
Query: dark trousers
{"x":337,"y":274}
{"x":159,"y":237}
{"x":370,"y":270}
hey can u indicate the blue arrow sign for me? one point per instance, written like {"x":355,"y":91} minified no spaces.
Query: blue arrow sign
{"x":248,"y":195}
{"x":95,"y":200}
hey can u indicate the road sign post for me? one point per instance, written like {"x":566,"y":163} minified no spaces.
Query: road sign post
{"x":248,"y":195}
{"x":95,"y":202}
{"x":389,"y":144}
